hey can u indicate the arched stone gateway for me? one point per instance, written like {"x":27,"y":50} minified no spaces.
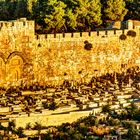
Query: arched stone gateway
{"x":14,"y":66}
{"x":16,"y":53}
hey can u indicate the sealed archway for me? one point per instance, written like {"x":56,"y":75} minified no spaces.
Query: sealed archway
{"x":14,"y":68}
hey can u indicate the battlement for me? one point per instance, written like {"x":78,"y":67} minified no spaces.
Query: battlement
{"x":115,"y":30}
{"x":20,"y":23}
{"x":83,"y":35}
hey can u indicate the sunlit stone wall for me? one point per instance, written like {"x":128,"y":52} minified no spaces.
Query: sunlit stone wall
{"x":52,"y":58}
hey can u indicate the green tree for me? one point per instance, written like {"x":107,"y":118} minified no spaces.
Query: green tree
{"x":53,"y":106}
{"x":21,"y":9}
{"x":20,"y":132}
{"x":84,"y":15}
{"x":30,"y":4}
{"x":133,"y":7}
{"x":89,"y":13}
{"x":11,"y":125}
{"x":50,"y":15}
{"x":132,"y":111}
{"x":106,"y":109}
{"x":38,"y":127}
{"x":113,"y":122}
{"x":70,"y":20}
{"x":7,"y":9}
{"x":114,"y":10}
{"x":132,"y":134}
{"x":55,"y":16}
{"x":45,"y":105}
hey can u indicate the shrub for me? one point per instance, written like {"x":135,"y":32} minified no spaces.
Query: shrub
{"x":131,"y":33}
{"x":122,"y":37}
{"x":88,"y":46}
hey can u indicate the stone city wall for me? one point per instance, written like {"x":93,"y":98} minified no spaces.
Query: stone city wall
{"x":52,"y":58}
{"x":49,"y":120}
{"x":72,"y":61}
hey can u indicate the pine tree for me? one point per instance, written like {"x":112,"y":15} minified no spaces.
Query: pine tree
{"x":30,"y":5}
{"x":49,"y":15}
{"x":7,"y":9}
{"x":21,"y":9}
{"x":83,"y":14}
{"x":114,"y":10}
{"x":133,"y":7}
{"x":89,"y":13}
{"x":54,"y":17}
{"x":70,"y":20}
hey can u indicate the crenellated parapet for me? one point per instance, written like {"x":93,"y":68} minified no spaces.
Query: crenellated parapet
{"x":101,"y":35}
{"x":17,"y":24}
{"x":17,"y":29}
{"x":81,"y":35}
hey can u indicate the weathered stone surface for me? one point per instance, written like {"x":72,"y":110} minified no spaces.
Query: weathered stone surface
{"x":47,"y":58}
